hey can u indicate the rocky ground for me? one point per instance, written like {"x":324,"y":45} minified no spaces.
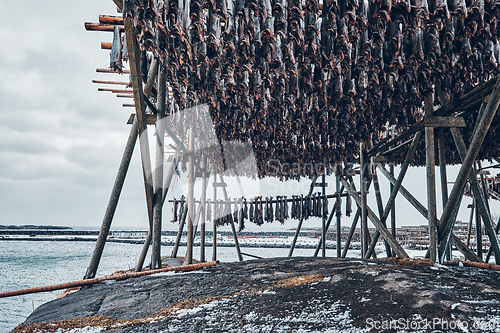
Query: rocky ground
{"x":285,"y":295}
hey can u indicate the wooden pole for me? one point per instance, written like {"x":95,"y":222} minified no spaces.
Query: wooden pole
{"x":158,"y":176}
{"x":339,"y":218}
{"x":175,"y":250}
{"x":481,"y":206}
{"x":490,"y":249}
{"x":323,"y":220}
{"x":113,"y":202}
{"x":147,"y":242}
{"x":203,"y":204}
{"x":134,"y":61}
{"x":351,"y":232}
{"x":233,"y":229}
{"x":297,"y":231}
{"x":363,"y":201}
{"x":393,"y":209}
{"x":479,"y":235}
{"x":191,"y":213}
{"x":430,"y":160}
{"x":443,"y":177}
{"x":214,"y":227}
{"x":380,"y":207}
{"x":469,"y":229}
{"x":448,"y":216}
{"x":116,"y":277}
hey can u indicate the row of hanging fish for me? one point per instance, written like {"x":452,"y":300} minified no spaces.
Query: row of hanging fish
{"x":263,"y":210}
{"x":304,"y":82}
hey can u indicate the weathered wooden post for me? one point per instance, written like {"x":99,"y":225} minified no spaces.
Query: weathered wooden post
{"x":323,"y":220}
{"x":158,"y":174}
{"x":430,"y":162}
{"x":339,"y":217}
{"x":203,"y":206}
{"x":214,"y":227}
{"x":363,"y":203}
{"x":190,"y":201}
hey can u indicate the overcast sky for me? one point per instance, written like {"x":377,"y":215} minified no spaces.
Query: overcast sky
{"x":61,"y":140}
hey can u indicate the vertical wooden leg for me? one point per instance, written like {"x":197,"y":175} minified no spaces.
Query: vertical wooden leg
{"x":364,"y":210}
{"x":203,"y":207}
{"x":190,"y":200}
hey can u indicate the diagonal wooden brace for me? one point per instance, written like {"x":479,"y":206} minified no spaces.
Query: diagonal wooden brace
{"x":400,"y":252}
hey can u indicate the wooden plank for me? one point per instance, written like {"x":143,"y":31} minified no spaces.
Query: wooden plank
{"x":433,"y":121}
{"x":112,"y":82}
{"x":108,"y":19}
{"x":106,"y":45}
{"x":116,"y":91}
{"x":107,"y":70}
{"x":134,"y":61}
{"x":150,"y":119}
{"x":89,"y":26}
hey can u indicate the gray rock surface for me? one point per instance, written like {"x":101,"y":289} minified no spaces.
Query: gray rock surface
{"x":287,"y":294}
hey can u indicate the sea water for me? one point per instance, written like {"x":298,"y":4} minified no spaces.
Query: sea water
{"x":27,"y":264}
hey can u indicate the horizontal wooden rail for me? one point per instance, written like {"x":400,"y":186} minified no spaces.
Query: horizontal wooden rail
{"x":107,"y":19}
{"x":106,"y":45}
{"x":110,"y":82}
{"x":116,"y":277}
{"x":116,"y":91}
{"x":107,"y":70}
{"x":482,"y":265}
{"x":89,"y":26}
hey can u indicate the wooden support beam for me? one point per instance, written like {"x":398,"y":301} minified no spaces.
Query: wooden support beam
{"x":107,"y":70}
{"x":433,"y":121}
{"x":116,"y":91}
{"x":400,"y":252}
{"x":380,"y":207}
{"x":158,"y":176}
{"x":190,"y":200}
{"x":89,"y":26}
{"x":108,"y":19}
{"x":144,"y":252}
{"x":175,"y":250}
{"x":119,"y":4}
{"x":363,"y":199}
{"x":448,"y":216}
{"x":393,"y":209}
{"x":113,"y":202}
{"x":112,"y":82}
{"x":339,"y":217}
{"x":351,"y":232}
{"x":106,"y":45}
{"x":235,"y":235}
{"x":482,"y":209}
{"x":299,"y":225}
{"x":430,"y":167}
{"x":323,"y":220}
{"x":134,"y":61}
{"x":150,"y":119}
{"x":125,"y":96}
{"x":204,"y":176}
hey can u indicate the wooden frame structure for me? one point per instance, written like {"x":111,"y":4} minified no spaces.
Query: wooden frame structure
{"x":373,"y":158}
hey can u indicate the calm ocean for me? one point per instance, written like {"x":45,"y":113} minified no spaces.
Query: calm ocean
{"x":26,"y":264}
